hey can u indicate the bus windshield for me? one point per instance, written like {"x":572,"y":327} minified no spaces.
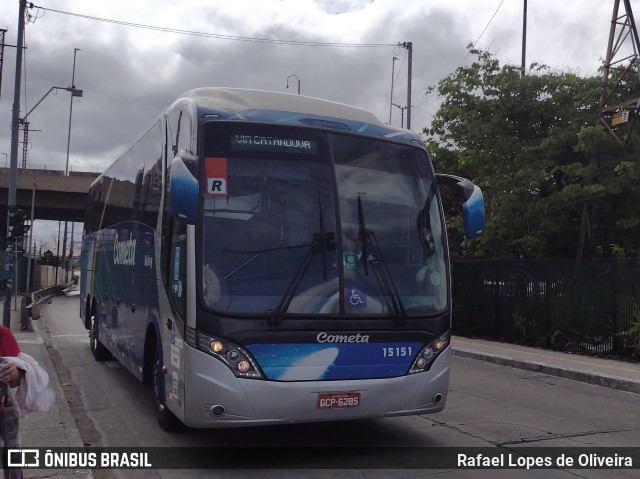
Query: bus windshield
{"x":303,"y":222}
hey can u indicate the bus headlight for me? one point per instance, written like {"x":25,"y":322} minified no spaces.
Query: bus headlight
{"x":236,"y":358}
{"x":429,"y":353}
{"x":216,"y":346}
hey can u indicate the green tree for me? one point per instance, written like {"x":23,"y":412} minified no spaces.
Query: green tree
{"x":532,"y":145}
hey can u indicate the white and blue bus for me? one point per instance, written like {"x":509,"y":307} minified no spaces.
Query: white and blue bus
{"x":267,"y":258}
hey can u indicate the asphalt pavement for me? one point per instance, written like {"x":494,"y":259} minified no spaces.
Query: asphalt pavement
{"x":57,"y":428}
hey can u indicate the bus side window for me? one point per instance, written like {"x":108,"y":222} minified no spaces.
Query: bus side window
{"x":173,"y":257}
{"x":173,"y":253}
{"x":176,"y":264}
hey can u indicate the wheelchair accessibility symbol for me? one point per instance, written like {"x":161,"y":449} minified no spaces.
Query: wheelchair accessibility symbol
{"x":357,"y":298}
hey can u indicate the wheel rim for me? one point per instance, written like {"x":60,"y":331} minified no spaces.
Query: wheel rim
{"x":92,"y":334}
{"x":154,"y":384}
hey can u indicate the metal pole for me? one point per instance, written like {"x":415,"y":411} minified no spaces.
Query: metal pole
{"x":524,"y":38}
{"x":393,"y":69}
{"x":15,"y":126}
{"x":409,"y":46}
{"x":73,"y":85}
{"x":57,"y":255}
{"x":73,"y":224}
{"x":33,"y":202}
{"x":66,"y":168}
{"x":15,"y":275}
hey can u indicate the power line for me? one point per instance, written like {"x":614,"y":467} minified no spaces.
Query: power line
{"x":474,"y":43}
{"x":483,"y":31}
{"x":218,"y":35}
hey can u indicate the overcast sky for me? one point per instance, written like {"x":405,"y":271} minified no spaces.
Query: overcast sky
{"x":130,"y":74}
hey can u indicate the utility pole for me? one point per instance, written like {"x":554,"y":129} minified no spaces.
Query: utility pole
{"x":66,"y":168}
{"x":393,"y":68}
{"x":9,"y":263}
{"x":524,"y":39}
{"x":619,"y":117}
{"x":409,"y":47}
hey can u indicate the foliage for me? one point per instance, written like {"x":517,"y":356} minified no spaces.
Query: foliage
{"x":532,"y":144}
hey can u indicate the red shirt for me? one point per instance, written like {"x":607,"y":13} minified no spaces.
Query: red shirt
{"x":8,"y":344}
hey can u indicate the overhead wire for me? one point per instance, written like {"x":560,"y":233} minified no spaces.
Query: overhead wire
{"x":217,"y":35}
{"x":483,"y":32}
{"x":40,"y":11}
{"x":429,"y":98}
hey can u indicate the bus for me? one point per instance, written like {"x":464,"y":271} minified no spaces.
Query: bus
{"x":264,"y":258}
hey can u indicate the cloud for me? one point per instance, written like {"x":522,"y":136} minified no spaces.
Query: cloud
{"x":341,"y":6}
{"x":130,"y":74}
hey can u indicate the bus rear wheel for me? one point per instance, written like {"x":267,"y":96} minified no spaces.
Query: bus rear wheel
{"x":166,"y":419}
{"x":99,"y":351}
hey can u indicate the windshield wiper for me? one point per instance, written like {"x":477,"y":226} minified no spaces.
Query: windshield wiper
{"x":380,"y":268}
{"x":321,"y":242}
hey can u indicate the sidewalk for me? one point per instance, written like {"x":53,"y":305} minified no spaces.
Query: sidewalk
{"x":602,"y":372}
{"x":57,"y":428}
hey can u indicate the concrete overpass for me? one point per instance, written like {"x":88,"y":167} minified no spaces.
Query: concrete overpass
{"x":58,"y":197}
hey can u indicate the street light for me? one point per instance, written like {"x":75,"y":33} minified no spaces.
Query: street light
{"x":393,"y":68}
{"x":72,"y":89}
{"x":296,"y":77}
{"x":74,"y":92}
{"x":66,"y":168}
{"x":402,"y":109}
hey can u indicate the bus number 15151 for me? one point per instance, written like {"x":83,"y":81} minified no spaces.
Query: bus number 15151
{"x":397,"y":352}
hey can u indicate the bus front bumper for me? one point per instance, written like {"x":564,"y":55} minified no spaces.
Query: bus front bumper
{"x":216,"y":398}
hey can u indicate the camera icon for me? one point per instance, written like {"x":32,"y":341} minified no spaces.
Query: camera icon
{"x":23,"y":458}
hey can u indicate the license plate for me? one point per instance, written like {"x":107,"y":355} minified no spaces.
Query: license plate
{"x":338,"y":400}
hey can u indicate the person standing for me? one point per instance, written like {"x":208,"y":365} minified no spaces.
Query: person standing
{"x":21,"y":371}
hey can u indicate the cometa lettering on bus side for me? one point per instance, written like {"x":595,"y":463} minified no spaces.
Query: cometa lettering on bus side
{"x":342,"y":338}
{"x":124,"y":252}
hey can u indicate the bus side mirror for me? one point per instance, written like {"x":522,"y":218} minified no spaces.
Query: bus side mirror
{"x":183,"y":190}
{"x":472,"y":206}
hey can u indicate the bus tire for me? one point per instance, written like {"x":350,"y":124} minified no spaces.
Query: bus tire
{"x":99,"y":351}
{"x":166,"y":419}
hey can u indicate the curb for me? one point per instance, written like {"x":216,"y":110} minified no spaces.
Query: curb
{"x":612,"y":382}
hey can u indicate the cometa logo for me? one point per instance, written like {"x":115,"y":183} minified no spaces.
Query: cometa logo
{"x":342,"y":338}
{"x":124,"y":252}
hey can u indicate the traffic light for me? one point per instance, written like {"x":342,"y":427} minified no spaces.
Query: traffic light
{"x":19,"y":250}
{"x":17,"y":228}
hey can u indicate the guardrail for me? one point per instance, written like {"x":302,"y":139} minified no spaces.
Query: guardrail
{"x":42,"y":295}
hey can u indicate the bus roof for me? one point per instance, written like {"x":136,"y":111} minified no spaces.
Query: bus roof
{"x":285,"y":108}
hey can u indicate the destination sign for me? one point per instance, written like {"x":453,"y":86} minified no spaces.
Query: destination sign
{"x":273,"y":143}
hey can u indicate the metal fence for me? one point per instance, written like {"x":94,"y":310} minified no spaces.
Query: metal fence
{"x":592,"y":306}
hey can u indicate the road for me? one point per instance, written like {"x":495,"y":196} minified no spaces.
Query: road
{"x":488,"y":406}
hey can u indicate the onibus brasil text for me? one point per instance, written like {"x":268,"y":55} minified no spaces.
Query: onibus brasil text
{"x":81,"y":459}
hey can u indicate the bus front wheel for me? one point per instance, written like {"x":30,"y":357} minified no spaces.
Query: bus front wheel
{"x":166,"y":419}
